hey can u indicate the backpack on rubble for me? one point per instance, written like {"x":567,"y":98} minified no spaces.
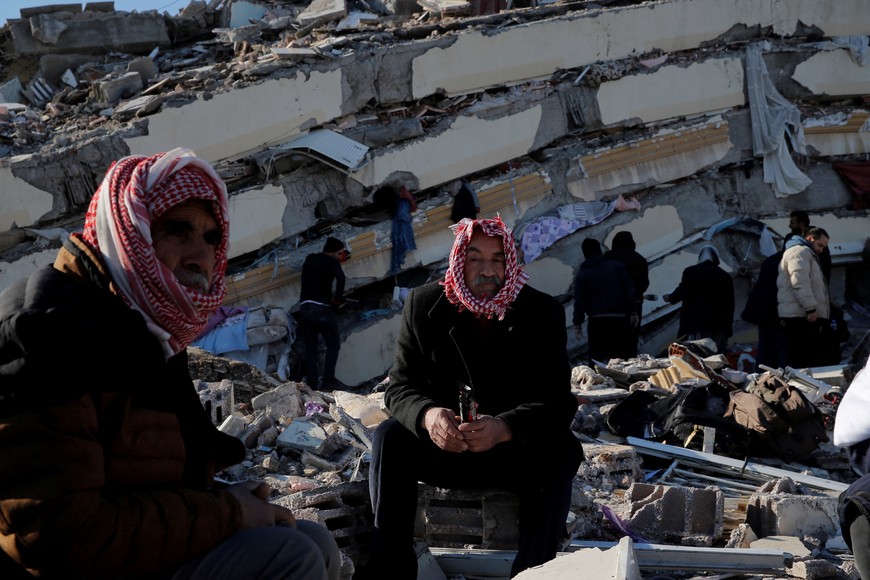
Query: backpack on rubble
{"x":787,"y":424}
{"x":679,"y":419}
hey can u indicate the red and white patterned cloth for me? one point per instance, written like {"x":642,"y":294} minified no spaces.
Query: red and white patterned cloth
{"x":454,"y":280}
{"x":134,"y":193}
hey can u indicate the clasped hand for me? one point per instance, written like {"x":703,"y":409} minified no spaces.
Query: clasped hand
{"x":449,"y":434}
{"x":257,"y":512}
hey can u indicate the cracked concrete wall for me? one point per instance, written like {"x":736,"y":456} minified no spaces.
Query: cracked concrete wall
{"x":477,"y":60}
{"x":833,"y":73}
{"x":255,"y":219}
{"x":271,"y":112}
{"x":673,"y":91}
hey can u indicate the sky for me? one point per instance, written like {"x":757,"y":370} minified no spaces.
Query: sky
{"x":10,"y":8}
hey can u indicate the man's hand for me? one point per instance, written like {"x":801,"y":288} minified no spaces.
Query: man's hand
{"x":811,"y":317}
{"x":634,"y":320}
{"x":485,"y":433}
{"x":441,"y":423}
{"x":257,"y":512}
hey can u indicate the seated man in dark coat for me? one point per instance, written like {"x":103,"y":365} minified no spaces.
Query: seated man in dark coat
{"x":108,"y":455}
{"x":482,"y":328}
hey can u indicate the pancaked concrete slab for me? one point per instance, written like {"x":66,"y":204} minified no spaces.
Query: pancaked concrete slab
{"x":469,"y":144}
{"x":251,"y":117}
{"x":673,"y":91}
{"x":664,"y":157}
{"x":476,"y":60}
{"x":128,"y":32}
{"x":847,"y":136}
{"x":832,"y":73}
{"x":322,"y":10}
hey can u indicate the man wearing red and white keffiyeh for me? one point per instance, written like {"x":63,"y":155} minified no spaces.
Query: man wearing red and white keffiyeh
{"x":480,"y":384}
{"x":507,"y":279}
{"x":135,"y":193}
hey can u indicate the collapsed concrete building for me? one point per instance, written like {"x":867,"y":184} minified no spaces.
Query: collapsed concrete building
{"x":682,"y":121}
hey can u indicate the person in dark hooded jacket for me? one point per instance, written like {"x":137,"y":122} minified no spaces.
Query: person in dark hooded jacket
{"x":707,"y":294}
{"x":624,"y":252}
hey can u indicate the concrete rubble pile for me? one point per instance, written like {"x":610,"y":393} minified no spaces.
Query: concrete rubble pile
{"x":308,"y":110}
{"x":312,"y":448}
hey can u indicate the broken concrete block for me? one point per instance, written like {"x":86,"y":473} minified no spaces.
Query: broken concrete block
{"x":233,"y":426}
{"x":323,"y":10}
{"x":812,"y":569}
{"x":126,"y":32}
{"x":368,"y":410}
{"x":46,"y":28}
{"x":742,"y":536}
{"x":610,"y":466}
{"x":257,"y":427}
{"x":792,"y":515}
{"x":293,"y":54}
{"x":302,"y":435}
{"x":217,"y":398}
{"x":676,"y":515}
{"x":10,"y":91}
{"x":138,"y":107}
{"x":791,"y":544}
{"x":144,"y":66}
{"x":616,"y":563}
{"x":456,"y":518}
{"x":113,"y":90}
{"x":282,"y":401}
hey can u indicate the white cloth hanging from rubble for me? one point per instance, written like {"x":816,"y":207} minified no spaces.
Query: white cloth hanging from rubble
{"x":776,"y":124}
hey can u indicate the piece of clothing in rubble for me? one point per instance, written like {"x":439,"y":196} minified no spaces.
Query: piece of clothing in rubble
{"x":465,"y":203}
{"x":402,"y":232}
{"x":519,"y":370}
{"x":761,"y":310}
{"x":130,"y":491}
{"x":604,"y":294}
{"x":802,"y":290}
{"x":707,"y":294}
{"x":777,"y":130}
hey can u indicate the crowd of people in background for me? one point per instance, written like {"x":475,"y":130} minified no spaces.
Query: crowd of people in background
{"x":789,"y":302}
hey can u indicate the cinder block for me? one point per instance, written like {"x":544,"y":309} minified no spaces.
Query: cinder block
{"x":217,"y":398}
{"x":673,"y":514}
{"x":459,"y":518}
{"x":793,"y":515}
{"x":610,"y":466}
{"x":345,"y":509}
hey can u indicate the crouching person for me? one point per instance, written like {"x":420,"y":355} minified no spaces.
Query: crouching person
{"x":480,"y":331}
{"x":107,"y":456}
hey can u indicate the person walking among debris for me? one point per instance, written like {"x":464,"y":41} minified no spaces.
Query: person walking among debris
{"x":322,"y":289}
{"x":761,"y":309}
{"x":108,"y":455}
{"x":603,"y":292}
{"x":624,"y":251}
{"x":481,"y":331}
{"x":707,"y":294}
{"x":802,"y":298}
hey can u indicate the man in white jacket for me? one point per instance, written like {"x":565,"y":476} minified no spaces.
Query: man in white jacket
{"x":802,"y":299}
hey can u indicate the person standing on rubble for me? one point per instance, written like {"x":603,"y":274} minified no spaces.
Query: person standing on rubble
{"x":322,"y":290}
{"x":707,"y":294}
{"x":802,"y":300}
{"x":799,"y":225}
{"x":603,"y":292}
{"x":481,"y":332}
{"x":108,"y":455}
{"x":624,"y":251}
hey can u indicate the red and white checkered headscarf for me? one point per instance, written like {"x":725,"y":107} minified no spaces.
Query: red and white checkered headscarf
{"x":134,"y":193}
{"x":454,"y":280}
